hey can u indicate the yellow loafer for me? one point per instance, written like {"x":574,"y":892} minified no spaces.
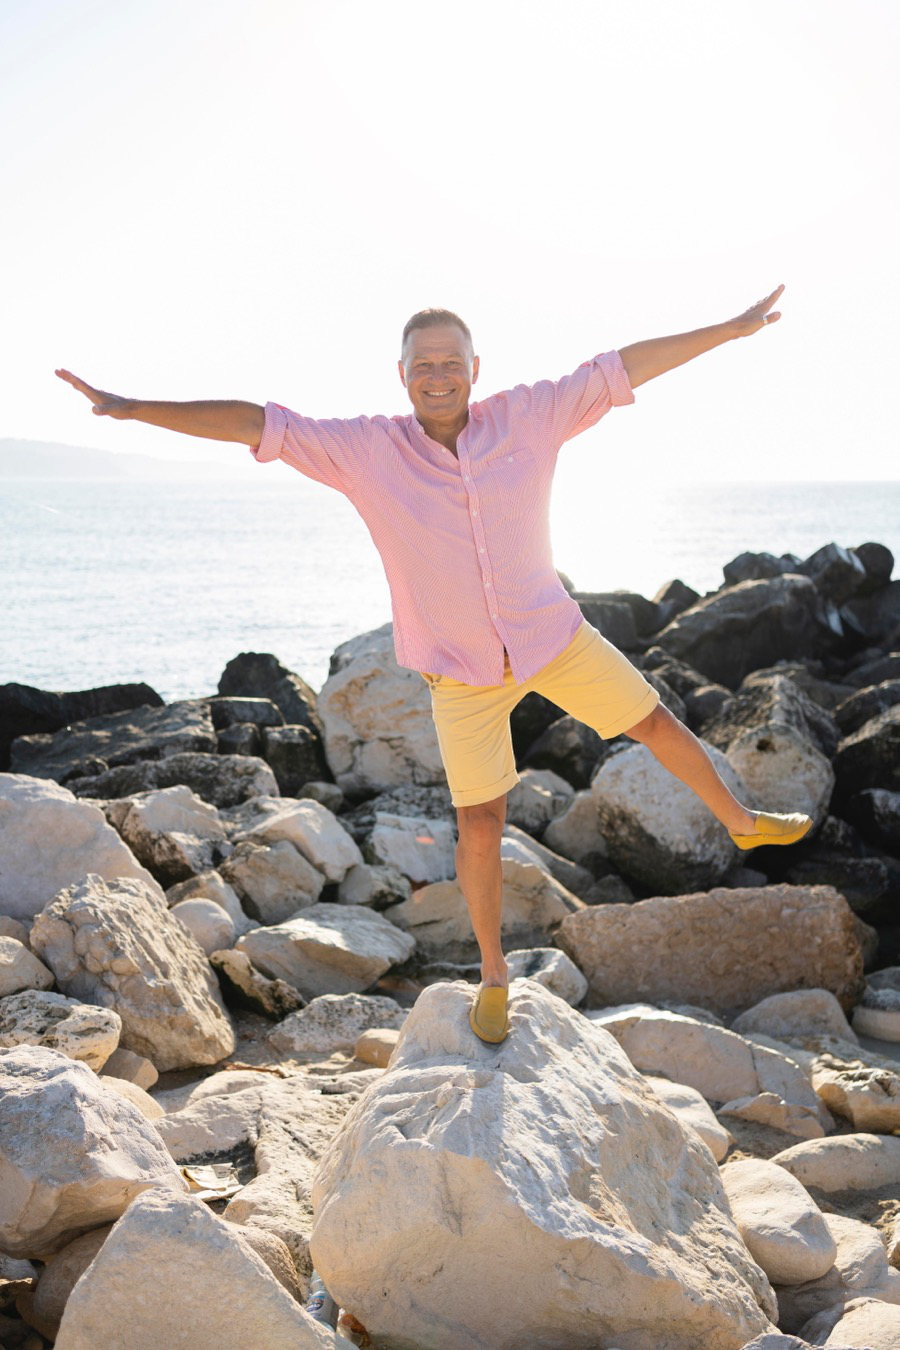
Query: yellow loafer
{"x":487,"y":1015}
{"x":772,"y":828}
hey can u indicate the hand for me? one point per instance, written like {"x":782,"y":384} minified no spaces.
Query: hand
{"x":758,"y":316}
{"x":105,"y":405}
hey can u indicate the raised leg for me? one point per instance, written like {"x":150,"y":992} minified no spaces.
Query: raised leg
{"x":679,"y":751}
{"x":481,"y":879}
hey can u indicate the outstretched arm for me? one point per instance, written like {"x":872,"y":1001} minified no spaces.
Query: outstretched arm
{"x":644,"y":360}
{"x":216,"y":419}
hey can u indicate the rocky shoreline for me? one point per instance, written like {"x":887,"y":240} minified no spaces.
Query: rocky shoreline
{"x":235,"y":969}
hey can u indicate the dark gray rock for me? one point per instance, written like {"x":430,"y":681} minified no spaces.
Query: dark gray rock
{"x":870,"y":757}
{"x":873,"y":668}
{"x":113,"y":739}
{"x":643,"y":611}
{"x":863,"y":882}
{"x":876,"y":813}
{"x":871,"y":618}
{"x":613,"y":617}
{"x":226,"y":711}
{"x":221,"y":780}
{"x":240,"y":738}
{"x":678,"y":675}
{"x":878,"y":562}
{"x":25,"y":710}
{"x":295,"y":755}
{"x":261,"y":675}
{"x":529,"y":719}
{"x":569,"y":748}
{"x":672,"y":599}
{"x":753,"y":624}
{"x":710,"y":702}
{"x":837,"y":572}
{"x":758,"y":567}
{"x":775,"y":700}
{"x":860,"y":706}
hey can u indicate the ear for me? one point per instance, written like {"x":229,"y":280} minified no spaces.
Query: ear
{"x":476,"y":366}
{"x":402,"y":373}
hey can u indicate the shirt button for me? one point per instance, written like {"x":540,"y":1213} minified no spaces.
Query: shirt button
{"x":494,"y":614}
{"x":487,"y":583}
{"x":481,"y":550}
{"x":474,"y":510}
{"x":509,"y":457}
{"x":466,"y":477}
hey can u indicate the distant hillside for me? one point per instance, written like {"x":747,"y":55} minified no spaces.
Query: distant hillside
{"x":41,"y":459}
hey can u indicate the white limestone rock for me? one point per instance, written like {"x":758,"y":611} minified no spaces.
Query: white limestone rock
{"x":334,"y":1022}
{"x":861,"y":1324}
{"x":783,"y":770}
{"x":575,"y":832}
{"x":80,"y":1031}
{"x":551,"y":968}
{"x":800,"y":1012}
{"x":248,"y":987}
{"x":551,"y":1150}
{"x":878,"y":1012}
{"x":213,"y":886}
{"x":148,"y":1108}
{"x":437,"y":916}
{"x":314,"y":830}
{"x":20,"y":969}
{"x":847,"y":1162}
{"x":272,"y":880}
{"x":767,"y":1108}
{"x":376,"y":1046}
{"x":49,"y":839}
{"x":860,"y":1268}
{"x":179,"y":1247}
{"x":171,"y":830}
{"x":61,"y":1273}
{"x":376,"y":718}
{"x":539,"y":795}
{"x":694,"y":1110}
{"x":423,"y":850}
{"x":378,"y":887}
{"x":779,"y":1221}
{"x":215,"y":1125}
{"x":116,"y":944}
{"x":73,"y":1154}
{"x":207,"y":923}
{"x":328,"y":949}
{"x":133,"y":1068}
{"x":657,"y":830}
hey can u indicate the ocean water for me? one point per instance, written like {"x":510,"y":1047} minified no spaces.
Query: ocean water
{"x":105,"y":582}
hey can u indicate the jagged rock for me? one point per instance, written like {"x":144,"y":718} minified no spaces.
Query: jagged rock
{"x":877,"y":813}
{"x":870,"y":757}
{"x":797,"y":1012}
{"x":328,"y":949}
{"x":539,"y":795}
{"x":769,"y":699}
{"x":422,"y":850}
{"x":79,"y":1031}
{"x":207,"y":923}
{"x":241,"y":739}
{"x":838,"y":573}
{"x":551,"y":968}
{"x":295,"y":755}
{"x":311,"y":827}
{"x":376,"y":718}
{"x":25,"y":709}
{"x":569,"y":748}
{"x":376,"y":1046}
{"x":180,"y":1247}
{"x":329,"y":794}
{"x":221,"y":780}
{"x":272,"y":881}
{"x":865,"y":1322}
{"x":171,"y":831}
{"x":860,"y":1269}
{"x":705,"y":948}
{"x":873,"y":618}
{"x":779,"y":1221}
{"x":73,"y":1154}
{"x":767,"y":1108}
{"x":857,"y":708}
{"x":115,"y":943}
{"x":438,"y":917}
{"x":575,"y":832}
{"x":259,"y":675}
{"x":20,"y":969}
{"x":692,"y":1108}
{"x":872,"y":666}
{"x":60,"y":1275}
{"x":112,"y":739}
{"x":49,"y":840}
{"x":212,"y":886}
{"x":657,"y":831}
{"x":248,"y":988}
{"x":334,"y":1022}
{"x":132,"y":1068}
{"x":849,"y":1162}
{"x":148,"y":1108}
{"x":541,"y":1161}
{"x":374,"y":885}
{"x":228,"y":711}
{"x":705,"y":705}
{"x":576,"y":879}
{"x":755,"y":623}
{"x":863,"y":882}
{"x":431,"y":803}
{"x":671,"y":598}
{"x":868,"y":1095}
{"x":758,"y":566}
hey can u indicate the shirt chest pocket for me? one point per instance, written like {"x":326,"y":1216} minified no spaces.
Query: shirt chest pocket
{"x":512,"y":469}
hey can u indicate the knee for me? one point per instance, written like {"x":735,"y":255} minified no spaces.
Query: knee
{"x":656,"y":724}
{"x":481,"y":826}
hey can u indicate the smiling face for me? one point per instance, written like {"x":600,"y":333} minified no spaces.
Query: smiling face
{"x":438,"y":370}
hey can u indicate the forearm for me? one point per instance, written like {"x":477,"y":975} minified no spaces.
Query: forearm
{"x":644,"y":360}
{"x":216,"y":419}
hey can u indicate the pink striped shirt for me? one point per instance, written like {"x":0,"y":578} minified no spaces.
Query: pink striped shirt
{"x":465,"y":542}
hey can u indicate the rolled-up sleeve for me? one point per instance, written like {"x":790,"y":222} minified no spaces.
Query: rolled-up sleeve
{"x":332,"y":451}
{"x":577,"y":401}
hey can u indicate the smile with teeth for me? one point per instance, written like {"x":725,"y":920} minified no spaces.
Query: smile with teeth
{"x":442,"y":393}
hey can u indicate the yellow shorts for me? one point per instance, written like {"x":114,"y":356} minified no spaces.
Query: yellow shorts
{"x":590,"y":679}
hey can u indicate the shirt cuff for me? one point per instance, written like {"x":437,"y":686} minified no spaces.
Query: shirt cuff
{"x":620,"y":390}
{"x":269,"y":447}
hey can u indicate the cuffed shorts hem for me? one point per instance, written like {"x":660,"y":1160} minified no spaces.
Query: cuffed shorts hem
{"x":637,"y":714}
{"x":475,"y":796}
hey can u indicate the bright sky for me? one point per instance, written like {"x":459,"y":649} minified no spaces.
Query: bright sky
{"x":236,"y":199}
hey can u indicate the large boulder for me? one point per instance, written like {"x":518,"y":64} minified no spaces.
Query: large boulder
{"x":376,"y":718}
{"x":307,"y":824}
{"x":705,"y":948}
{"x":148,"y":1274}
{"x":254,"y":677}
{"x":657,"y":831}
{"x":328,"y":949}
{"x":48,"y":840}
{"x":172,"y":831}
{"x":870,"y":757}
{"x":334,"y":1022}
{"x":25,"y":709}
{"x":422,"y":850}
{"x":779,"y":1221}
{"x":437,"y":916}
{"x":20,"y":969}
{"x":221,"y":780}
{"x":116,"y":944}
{"x":849,"y":1162}
{"x":755,"y":623}
{"x":111,"y":739}
{"x":551,"y":1149}
{"x":79,"y":1031}
{"x":860,"y":1268}
{"x":73,"y":1154}
{"x":272,"y":880}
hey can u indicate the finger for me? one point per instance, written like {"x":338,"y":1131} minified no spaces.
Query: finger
{"x":773,"y":318}
{"x":78,"y":384}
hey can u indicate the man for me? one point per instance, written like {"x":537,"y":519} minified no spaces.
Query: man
{"x":456,"y":498}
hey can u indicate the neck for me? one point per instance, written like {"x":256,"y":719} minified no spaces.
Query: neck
{"x":445,"y":433}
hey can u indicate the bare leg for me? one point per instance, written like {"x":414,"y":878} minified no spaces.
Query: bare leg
{"x":481,"y":879}
{"x":679,"y":751}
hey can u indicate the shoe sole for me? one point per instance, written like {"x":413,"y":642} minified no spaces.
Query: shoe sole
{"x":748,"y":841}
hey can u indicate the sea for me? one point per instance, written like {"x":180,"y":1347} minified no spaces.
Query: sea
{"x":107,"y":582}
